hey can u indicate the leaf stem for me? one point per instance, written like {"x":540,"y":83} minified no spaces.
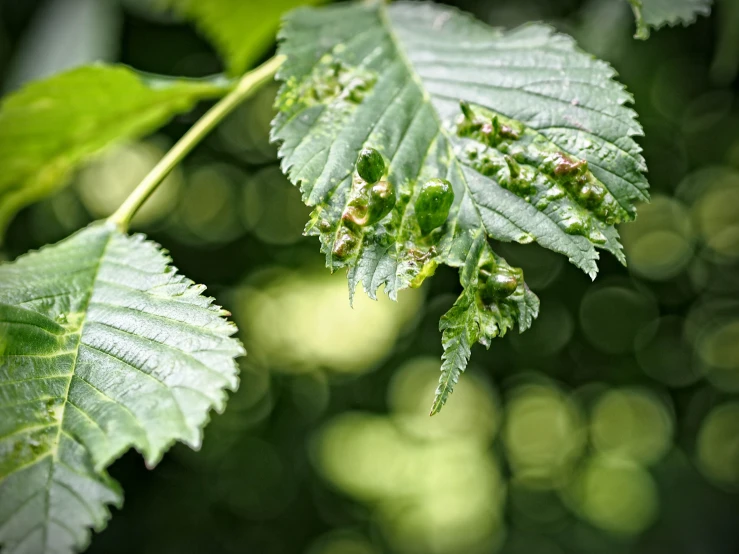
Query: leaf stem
{"x":642,"y":29}
{"x":248,"y":84}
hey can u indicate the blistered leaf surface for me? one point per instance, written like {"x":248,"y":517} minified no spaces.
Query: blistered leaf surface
{"x":532,"y":134}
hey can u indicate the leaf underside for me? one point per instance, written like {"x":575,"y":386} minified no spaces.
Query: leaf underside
{"x":103,"y":347}
{"x":540,"y":150}
{"x":49,"y":127}
{"x":655,"y":14}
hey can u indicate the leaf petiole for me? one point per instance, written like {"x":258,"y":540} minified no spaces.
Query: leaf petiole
{"x":642,"y":29}
{"x":248,"y":84}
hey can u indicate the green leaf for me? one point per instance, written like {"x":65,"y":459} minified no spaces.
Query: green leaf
{"x":540,"y":148}
{"x":48,"y":127}
{"x":655,"y":14}
{"x":241,"y":30}
{"x":104,"y":347}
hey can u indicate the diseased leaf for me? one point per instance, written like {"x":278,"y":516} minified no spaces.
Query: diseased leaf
{"x":241,"y":30}
{"x":532,"y":134}
{"x":48,"y":127}
{"x":655,"y":14}
{"x":103,"y":347}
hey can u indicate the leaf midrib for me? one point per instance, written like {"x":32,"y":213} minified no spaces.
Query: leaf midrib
{"x":426,"y":98}
{"x":65,"y":397}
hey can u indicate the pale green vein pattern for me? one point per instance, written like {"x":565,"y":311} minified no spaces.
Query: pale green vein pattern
{"x":48,"y":127}
{"x":654,"y":14}
{"x":391,"y":78}
{"x":104,"y":347}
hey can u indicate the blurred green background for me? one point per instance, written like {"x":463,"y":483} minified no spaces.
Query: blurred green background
{"x":612,"y":426}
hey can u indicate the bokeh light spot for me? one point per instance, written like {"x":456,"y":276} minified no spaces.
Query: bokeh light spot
{"x":714,"y":193}
{"x":659,"y":255}
{"x":543,"y":435}
{"x":108,"y":180}
{"x":632,"y":424}
{"x":615,"y":495}
{"x":718,"y":348}
{"x":718,"y":446}
{"x":473,"y":414}
{"x":431,"y":497}
{"x":659,"y":244}
{"x":303,"y":321}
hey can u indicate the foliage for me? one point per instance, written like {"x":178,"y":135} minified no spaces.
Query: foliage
{"x":654,"y":14}
{"x":49,"y":127}
{"x":225,"y":22}
{"x":539,"y":149}
{"x":105,"y":347}
{"x":416,"y":133}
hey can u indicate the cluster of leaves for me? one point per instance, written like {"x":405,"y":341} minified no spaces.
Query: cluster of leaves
{"x":470,"y":135}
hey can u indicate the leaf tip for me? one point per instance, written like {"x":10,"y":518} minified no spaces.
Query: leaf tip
{"x":436,"y":406}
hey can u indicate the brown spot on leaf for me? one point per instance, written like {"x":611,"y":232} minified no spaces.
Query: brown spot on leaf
{"x":565,"y":165}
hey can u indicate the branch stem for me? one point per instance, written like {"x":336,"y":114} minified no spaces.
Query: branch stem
{"x":247,"y":86}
